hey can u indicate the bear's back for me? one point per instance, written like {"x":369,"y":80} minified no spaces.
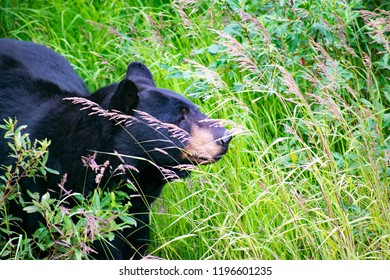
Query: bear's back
{"x":42,"y":64}
{"x":33,"y":82}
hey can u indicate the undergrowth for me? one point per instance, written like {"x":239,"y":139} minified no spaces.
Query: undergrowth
{"x":68,"y":231}
{"x":304,"y":83}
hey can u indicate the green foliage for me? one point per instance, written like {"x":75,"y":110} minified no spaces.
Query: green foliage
{"x":304,"y":85}
{"x":67,"y":232}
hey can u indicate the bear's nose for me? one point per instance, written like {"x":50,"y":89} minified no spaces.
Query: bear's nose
{"x":226,"y":138}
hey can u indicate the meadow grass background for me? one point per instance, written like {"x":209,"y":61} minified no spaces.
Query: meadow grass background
{"x":303,"y":84}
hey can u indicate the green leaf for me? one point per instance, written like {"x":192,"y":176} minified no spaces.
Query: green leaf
{"x":52,"y":171}
{"x":215,"y":49}
{"x":111,"y":236}
{"x":45,"y":197}
{"x":233,"y":4}
{"x":31,"y":209}
{"x":128,"y":220}
{"x":199,"y":51}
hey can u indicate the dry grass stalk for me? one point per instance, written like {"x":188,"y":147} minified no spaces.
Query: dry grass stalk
{"x":329,"y":104}
{"x":238,"y":52}
{"x":174,"y":130}
{"x":202,"y":72}
{"x":182,"y":6}
{"x":292,"y":86}
{"x":326,"y":66}
{"x":126,"y":120}
{"x":341,"y":30}
{"x":379,"y":23}
{"x":156,"y":31}
{"x":118,"y":117}
{"x":247,"y":17}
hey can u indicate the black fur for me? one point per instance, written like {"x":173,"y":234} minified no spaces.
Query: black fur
{"x":33,"y":84}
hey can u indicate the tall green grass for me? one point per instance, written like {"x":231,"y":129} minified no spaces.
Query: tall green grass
{"x":303,"y":84}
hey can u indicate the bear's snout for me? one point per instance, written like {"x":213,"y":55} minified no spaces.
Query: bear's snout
{"x":225,"y":139}
{"x":207,"y":144}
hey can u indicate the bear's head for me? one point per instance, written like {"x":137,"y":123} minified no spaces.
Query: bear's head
{"x":165,"y":128}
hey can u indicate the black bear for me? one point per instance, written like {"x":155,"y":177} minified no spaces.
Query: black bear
{"x":160,"y":131}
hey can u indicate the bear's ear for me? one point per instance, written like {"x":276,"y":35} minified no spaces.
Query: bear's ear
{"x":125,"y":97}
{"x":139,"y":73}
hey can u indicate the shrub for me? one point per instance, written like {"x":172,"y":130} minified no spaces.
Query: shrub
{"x":67,"y":232}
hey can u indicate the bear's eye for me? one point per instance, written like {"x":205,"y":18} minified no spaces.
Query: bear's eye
{"x":183,"y":115}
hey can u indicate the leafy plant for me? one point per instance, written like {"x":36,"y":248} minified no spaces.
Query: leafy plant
{"x":67,"y":232}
